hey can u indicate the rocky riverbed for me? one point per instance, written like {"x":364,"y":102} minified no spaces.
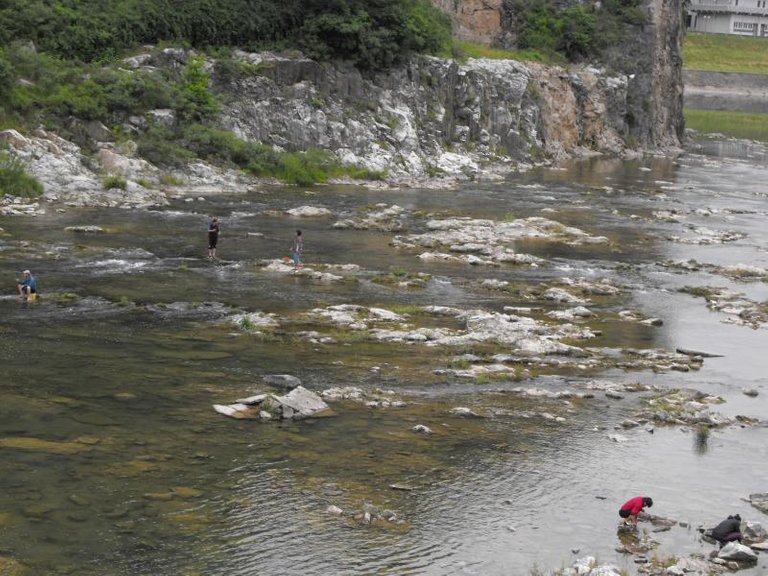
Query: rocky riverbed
{"x":493,"y":369}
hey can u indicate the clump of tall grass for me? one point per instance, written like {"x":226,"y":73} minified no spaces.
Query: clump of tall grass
{"x":114,"y":181}
{"x":463,"y":50}
{"x":14,"y":179}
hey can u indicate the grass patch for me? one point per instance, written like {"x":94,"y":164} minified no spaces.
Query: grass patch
{"x":114,"y":182}
{"x":14,"y":179}
{"x":748,"y":125}
{"x":406,"y":309}
{"x":725,"y":53}
{"x":464,"y":50}
{"x":170,"y":180}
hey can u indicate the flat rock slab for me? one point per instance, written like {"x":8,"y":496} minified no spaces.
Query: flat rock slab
{"x":303,"y":402}
{"x":239,"y":411}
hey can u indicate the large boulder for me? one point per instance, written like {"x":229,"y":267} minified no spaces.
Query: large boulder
{"x":301,"y":403}
{"x":737,"y":552}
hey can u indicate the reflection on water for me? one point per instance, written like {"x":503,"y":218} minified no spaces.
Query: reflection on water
{"x":115,"y":463}
{"x":701,"y":440}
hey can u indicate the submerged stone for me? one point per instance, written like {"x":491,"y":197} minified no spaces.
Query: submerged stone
{"x":39,"y":445}
{"x":11,"y":567}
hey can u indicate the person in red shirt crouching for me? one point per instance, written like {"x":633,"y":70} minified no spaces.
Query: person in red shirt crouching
{"x":633,"y":507}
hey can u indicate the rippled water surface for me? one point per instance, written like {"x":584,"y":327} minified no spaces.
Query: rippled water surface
{"x":113,"y":461}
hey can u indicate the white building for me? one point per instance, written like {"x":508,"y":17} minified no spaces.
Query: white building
{"x":743,"y":17}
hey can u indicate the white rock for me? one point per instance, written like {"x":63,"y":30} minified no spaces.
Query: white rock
{"x":308,"y":211}
{"x":738,"y":552}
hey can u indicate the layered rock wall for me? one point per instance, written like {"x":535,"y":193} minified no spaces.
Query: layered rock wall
{"x":649,"y":55}
{"x":475,"y":20}
{"x":431,"y":116}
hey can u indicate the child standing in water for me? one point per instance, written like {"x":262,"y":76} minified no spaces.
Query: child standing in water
{"x":297,"y":249}
{"x":213,"y":237}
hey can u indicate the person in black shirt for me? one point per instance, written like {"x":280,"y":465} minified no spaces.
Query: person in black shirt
{"x":213,"y":237}
{"x":728,"y":530}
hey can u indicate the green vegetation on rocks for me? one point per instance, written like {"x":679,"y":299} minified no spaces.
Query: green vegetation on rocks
{"x":14,"y":179}
{"x":371,"y":34}
{"x":61,"y":68}
{"x":577,"y":31}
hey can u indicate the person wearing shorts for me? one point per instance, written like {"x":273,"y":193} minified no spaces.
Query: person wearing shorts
{"x":27,"y":285}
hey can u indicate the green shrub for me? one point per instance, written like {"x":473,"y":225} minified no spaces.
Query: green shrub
{"x":577,"y":32}
{"x":194,"y":101}
{"x":170,"y":180}
{"x":14,"y":179}
{"x":540,"y":30}
{"x":114,"y":181}
{"x":7,"y":77}
{"x":134,"y":92}
{"x":158,"y":145}
{"x":84,"y":99}
{"x":373,"y":35}
{"x":305,"y":168}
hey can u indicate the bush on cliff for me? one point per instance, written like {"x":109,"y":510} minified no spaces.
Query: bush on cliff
{"x":174,"y":148}
{"x":371,"y":33}
{"x":14,"y":179}
{"x":577,"y":31}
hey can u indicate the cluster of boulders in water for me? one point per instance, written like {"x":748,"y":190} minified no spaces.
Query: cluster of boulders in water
{"x":528,"y":338}
{"x":731,"y":557}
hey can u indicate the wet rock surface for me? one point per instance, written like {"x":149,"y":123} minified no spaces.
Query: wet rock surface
{"x":297,"y":404}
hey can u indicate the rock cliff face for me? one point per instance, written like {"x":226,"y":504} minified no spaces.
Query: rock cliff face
{"x":655,"y":59}
{"x":475,"y":20}
{"x":431,"y":117}
{"x":650,"y":56}
{"x":434,"y":115}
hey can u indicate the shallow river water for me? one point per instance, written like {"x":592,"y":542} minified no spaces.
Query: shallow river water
{"x":114,"y":462}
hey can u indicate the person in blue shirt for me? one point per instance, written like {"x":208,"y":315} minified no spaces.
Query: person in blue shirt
{"x":27,"y":285}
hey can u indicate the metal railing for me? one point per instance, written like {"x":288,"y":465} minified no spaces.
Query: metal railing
{"x":726,"y":8}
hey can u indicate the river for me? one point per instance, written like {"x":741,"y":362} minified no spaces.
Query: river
{"x":114,"y":462}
